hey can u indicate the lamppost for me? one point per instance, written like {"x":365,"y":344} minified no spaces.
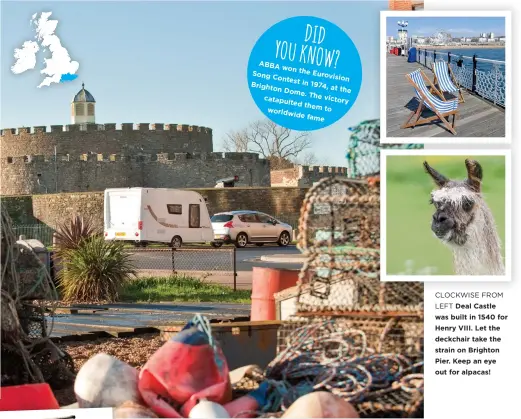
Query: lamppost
{"x":402,"y":33}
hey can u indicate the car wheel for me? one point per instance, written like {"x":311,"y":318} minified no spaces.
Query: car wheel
{"x":284,"y":239}
{"x":176,"y":242}
{"x":241,"y":240}
{"x":216,"y":244}
{"x":259,"y":244}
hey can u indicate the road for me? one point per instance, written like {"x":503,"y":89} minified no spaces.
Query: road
{"x":209,"y":259}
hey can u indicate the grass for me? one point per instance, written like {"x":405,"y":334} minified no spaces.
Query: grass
{"x":409,"y":237}
{"x":182,"y":289}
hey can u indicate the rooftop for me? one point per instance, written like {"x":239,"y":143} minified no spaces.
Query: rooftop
{"x":83,"y":95}
{"x":477,"y":117}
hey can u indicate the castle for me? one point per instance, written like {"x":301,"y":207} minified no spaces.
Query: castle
{"x":85,"y":156}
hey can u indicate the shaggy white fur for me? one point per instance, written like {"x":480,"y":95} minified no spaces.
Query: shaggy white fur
{"x":481,"y":253}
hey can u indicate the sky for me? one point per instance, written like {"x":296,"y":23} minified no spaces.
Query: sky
{"x":456,"y":26}
{"x":174,"y":62}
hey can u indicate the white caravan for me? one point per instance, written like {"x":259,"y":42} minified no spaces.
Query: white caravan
{"x":148,"y":215}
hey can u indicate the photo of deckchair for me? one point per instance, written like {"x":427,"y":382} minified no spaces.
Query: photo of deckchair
{"x":442,"y":109}
{"x":446,"y":81}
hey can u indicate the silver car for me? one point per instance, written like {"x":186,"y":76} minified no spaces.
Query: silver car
{"x":243,"y":227}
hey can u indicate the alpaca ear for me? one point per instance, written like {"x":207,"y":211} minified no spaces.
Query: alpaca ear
{"x":438,"y":178}
{"x":474,"y":174}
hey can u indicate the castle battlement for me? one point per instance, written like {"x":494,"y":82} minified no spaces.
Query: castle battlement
{"x":304,"y":176}
{"x":131,"y":158}
{"x":86,"y":156}
{"x":142,"y":126}
{"x":324,"y":169}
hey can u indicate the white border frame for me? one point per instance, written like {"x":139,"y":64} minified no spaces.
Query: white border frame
{"x":384,"y":277}
{"x":507,"y":139}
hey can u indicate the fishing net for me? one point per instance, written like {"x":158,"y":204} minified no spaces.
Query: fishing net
{"x":363,"y":155}
{"x":28,"y":355}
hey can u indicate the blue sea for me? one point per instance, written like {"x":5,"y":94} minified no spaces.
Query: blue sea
{"x":488,"y":53}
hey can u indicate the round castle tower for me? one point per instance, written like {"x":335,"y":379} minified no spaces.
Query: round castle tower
{"x":87,"y":156}
{"x":83,"y":107}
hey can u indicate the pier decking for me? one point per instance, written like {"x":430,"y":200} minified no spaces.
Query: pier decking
{"x":477,"y":117}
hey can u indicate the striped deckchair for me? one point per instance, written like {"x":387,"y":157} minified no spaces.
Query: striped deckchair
{"x":442,"y":108}
{"x":444,"y":78}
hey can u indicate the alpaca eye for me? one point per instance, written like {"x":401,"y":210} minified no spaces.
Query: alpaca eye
{"x":467,"y":205}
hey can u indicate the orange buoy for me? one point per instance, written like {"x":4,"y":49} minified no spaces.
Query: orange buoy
{"x":28,"y":397}
{"x":265,"y":283}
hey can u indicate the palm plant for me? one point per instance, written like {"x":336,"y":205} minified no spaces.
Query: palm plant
{"x":94,"y":270}
{"x":70,"y":234}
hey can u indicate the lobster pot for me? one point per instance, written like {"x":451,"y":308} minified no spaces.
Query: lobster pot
{"x":378,"y":334}
{"x":356,"y":287}
{"x":363,"y":154}
{"x":338,"y":214}
{"x":345,"y":317}
{"x":340,"y":234}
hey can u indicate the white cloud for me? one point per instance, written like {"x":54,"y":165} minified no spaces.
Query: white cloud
{"x":25,"y":57}
{"x":60,"y":62}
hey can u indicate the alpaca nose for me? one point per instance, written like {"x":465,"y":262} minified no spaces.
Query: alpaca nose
{"x":439,"y":217}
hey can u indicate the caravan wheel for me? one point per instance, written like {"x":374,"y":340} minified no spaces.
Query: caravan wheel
{"x":176,"y":242}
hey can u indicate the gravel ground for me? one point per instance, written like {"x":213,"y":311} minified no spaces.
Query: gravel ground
{"x":134,"y":351}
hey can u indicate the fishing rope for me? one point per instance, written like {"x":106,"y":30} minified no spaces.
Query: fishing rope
{"x":203,"y":324}
{"x":318,"y":357}
{"x":14,"y":305}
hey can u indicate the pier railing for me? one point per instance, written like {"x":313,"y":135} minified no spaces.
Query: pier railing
{"x":480,"y":76}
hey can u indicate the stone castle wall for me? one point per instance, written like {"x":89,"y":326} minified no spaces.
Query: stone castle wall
{"x":93,"y":157}
{"x":96,"y":172}
{"x":84,"y":138}
{"x":53,"y":209}
{"x":304,"y":176}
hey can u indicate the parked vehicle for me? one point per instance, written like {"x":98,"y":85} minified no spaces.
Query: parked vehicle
{"x":243,"y":227}
{"x":148,"y":215}
{"x":228,"y":182}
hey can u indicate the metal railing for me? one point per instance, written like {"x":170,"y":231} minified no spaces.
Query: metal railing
{"x":210,"y":264}
{"x":40,"y":232}
{"x":480,"y":76}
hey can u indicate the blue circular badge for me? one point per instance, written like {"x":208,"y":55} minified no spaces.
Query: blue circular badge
{"x":304,"y":73}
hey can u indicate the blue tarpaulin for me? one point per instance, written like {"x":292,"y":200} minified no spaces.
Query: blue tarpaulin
{"x":412,"y":55}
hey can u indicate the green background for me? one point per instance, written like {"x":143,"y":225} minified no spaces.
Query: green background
{"x":409,"y":214}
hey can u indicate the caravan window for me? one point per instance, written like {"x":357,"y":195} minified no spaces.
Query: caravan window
{"x":174,"y":208}
{"x":195,"y":216}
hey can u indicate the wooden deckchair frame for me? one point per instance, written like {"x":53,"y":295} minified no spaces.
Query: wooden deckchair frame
{"x":453,"y":79}
{"x":416,"y":115}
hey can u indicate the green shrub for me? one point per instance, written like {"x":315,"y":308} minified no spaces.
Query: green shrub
{"x":95,"y":270}
{"x":70,"y":234}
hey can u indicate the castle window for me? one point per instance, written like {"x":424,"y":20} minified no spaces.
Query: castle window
{"x":79,"y":109}
{"x":9,"y":160}
{"x":90,"y":109}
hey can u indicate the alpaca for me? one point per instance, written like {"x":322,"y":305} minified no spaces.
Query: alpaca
{"x":463,"y":221}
